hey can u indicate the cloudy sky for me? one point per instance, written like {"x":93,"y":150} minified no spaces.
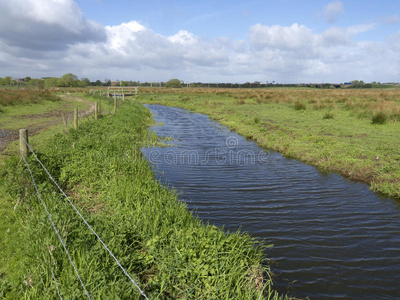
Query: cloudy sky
{"x":209,"y":41}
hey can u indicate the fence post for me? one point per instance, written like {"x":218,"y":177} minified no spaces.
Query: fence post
{"x":100,"y":93}
{"x":23,"y":140}
{"x":123,"y":96}
{"x":95,"y":110}
{"x":76,"y":119}
{"x":115,"y":105}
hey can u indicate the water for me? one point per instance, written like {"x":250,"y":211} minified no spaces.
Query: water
{"x":334,"y":239}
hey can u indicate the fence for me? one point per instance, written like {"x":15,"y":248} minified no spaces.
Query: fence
{"x":95,"y":112}
{"x":25,"y":150}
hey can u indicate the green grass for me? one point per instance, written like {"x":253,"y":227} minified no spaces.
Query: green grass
{"x":169,"y":252}
{"x":27,"y":115}
{"x":335,"y":133}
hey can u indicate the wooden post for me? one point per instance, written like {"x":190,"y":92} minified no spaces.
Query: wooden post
{"x":76,"y":119}
{"x":108,"y":92}
{"x":96,"y":107}
{"x":100,"y":93}
{"x":115,"y":105}
{"x":123,"y":96}
{"x":23,"y":140}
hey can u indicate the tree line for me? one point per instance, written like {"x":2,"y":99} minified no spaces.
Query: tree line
{"x":71,"y":80}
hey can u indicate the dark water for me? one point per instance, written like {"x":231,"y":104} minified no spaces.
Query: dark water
{"x":334,"y":239}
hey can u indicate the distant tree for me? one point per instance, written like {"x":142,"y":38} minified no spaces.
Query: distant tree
{"x":98,"y":83}
{"x":2,"y":82}
{"x":85,"y":82}
{"x":31,"y":82}
{"x":7,"y":80}
{"x":246,"y":84}
{"x":50,"y":82}
{"x":68,"y":80}
{"x":357,"y":82}
{"x":173,"y":83}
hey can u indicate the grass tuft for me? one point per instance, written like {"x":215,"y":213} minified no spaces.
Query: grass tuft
{"x":299,"y":105}
{"x":379,"y":118}
{"x":328,"y":115}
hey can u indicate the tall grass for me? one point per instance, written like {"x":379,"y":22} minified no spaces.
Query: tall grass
{"x":169,"y":252}
{"x":25,"y":96}
{"x":365,"y":103}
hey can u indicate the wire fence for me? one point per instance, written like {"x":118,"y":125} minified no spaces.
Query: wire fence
{"x":78,"y":213}
{"x":66,"y":125}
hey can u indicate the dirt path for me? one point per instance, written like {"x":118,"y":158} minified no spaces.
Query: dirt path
{"x":8,"y":136}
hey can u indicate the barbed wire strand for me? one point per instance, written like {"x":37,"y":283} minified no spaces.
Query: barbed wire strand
{"x":52,"y":275}
{"x":87,"y":224}
{"x":54,"y":227}
{"x":58,"y":128}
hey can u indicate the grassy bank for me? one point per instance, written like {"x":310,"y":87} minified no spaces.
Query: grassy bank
{"x":353,"y":132}
{"x":170,"y":253}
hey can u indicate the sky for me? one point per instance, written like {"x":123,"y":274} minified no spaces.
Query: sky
{"x":285,"y":41}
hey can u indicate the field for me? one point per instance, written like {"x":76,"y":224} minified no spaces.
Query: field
{"x":168,"y":252}
{"x":41,"y":112}
{"x":350,"y":131}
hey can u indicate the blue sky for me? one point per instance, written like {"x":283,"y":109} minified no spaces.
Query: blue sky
{"x":218,"y":41}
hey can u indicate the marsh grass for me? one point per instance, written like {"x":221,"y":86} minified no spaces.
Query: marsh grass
{"x":168,"y":251}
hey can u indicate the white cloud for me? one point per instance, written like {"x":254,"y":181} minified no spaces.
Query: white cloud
{"x":184,"y":37}
{"x":332,"y":11}
{"x":45,"y":24}
{"x":282,"y":37}
{"x":52,"y":43}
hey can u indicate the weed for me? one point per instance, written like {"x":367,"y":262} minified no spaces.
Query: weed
{"x":256,"y":120}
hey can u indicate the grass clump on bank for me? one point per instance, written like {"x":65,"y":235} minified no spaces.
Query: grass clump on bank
{"x":169,"y":252}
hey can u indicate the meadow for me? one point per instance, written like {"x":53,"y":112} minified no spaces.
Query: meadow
{"x":350,"y":131}
{"x":170,"y":253}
